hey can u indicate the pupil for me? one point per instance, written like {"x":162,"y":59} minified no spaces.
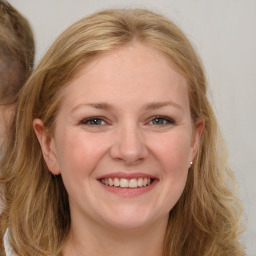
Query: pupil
{"x":95,"y":121}
{"x":158,"y":121}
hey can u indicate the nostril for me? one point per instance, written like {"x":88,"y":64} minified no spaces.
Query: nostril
{"x":128,"y":144}
{"x":129,"y":155}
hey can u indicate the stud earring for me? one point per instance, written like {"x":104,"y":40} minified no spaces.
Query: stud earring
{"x":191,"y":163}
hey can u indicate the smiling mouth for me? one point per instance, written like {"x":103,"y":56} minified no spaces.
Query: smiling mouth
{"x":127,"y":183}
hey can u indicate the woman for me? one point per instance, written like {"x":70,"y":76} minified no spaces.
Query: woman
{"x":119,"y":152}
{"x":16,"y":60}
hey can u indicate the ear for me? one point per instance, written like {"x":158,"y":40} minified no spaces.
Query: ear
{"x":197,"y":133}
{"x":48,"y":147}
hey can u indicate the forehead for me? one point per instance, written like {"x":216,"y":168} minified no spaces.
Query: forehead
{"x":146,"y":52}
{"x":124,"y":71}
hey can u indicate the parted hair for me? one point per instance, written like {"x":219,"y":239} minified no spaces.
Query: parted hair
{"x":17,"y":52}
{"x":206,"y":219}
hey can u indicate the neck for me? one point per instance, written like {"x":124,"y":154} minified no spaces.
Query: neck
{"x":102,"y":241}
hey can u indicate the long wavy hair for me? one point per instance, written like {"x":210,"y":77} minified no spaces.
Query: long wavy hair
{"x":206,"y":219}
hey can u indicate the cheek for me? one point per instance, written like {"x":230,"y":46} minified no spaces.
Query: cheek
{"x":175,"y":161}
{"x":173,"y":155}
{"x":173,"y":152}
{"x":78,"y":156}
{"x":78,"y":153}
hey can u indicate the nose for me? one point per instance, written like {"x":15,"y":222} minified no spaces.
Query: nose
{"x":129,"y":145}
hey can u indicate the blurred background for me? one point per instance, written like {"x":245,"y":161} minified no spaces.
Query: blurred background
{"x":224,"y":34}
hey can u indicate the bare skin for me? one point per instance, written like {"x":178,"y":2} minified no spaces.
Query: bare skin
{"x":107,"y":242}
{"x":126,"y":116}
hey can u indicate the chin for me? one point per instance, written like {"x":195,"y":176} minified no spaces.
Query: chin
{"x":133,"y":218}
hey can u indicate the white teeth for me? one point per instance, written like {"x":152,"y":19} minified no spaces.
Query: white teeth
{"x":110,"y":182}
{"x":126,"y":183}
{"x":116,"y":182}
{"x":140,"y":182}
{"x":133,"y":183}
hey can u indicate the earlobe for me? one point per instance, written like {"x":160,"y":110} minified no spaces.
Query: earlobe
{"x":200,"y":123}
{"x":47,"y":144}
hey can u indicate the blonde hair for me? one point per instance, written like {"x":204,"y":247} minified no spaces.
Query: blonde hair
{"x":204,"y":222}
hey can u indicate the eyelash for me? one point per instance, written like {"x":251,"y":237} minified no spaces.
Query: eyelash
{"x":166,"y":120}
{"x":96,"y":121}
{"x":90,"y":120}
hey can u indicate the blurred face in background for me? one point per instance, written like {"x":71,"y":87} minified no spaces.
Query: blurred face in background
{"x":11,"y":76}
{"x":6,"y":114}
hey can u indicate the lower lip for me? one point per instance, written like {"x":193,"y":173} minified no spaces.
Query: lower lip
{"x":129,"y":192}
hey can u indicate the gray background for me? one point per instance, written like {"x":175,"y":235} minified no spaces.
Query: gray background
{"x":224,"y":34}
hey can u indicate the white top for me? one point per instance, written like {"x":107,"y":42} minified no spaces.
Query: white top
{"x":8,"y":249}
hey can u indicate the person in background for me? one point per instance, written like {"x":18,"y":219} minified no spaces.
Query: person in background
{"x":119,"y":152}
{"x":17,"y":52}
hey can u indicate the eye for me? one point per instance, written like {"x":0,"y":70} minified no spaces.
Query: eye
{"x":93,"y":121}
{"x":161,"y":120}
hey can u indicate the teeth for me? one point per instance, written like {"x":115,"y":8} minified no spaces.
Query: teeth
{"x":140,"y":182}
{"x":127,"y":183}
{"x":110,"y":182}
{"x":116,"y":182}
{"x":124,"y":183}
{"x":133,"y":183}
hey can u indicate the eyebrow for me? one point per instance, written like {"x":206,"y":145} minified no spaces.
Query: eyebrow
{"x":149,"y":106}
{"x":104,"y":106}
{"x":157,"y":105}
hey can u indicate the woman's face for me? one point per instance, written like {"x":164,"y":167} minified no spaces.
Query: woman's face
{"x":123,"y":140}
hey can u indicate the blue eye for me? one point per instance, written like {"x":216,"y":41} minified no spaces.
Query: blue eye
{"x":161,"y":120}
{"x":93,"y":121}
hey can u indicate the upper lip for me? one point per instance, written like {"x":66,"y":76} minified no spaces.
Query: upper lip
{"x":126,"y":175}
